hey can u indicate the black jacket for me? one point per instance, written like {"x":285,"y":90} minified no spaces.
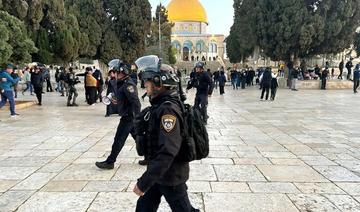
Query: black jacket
{"x":164,"y":144}
{"x":203,"y":84}
{"x":127,"y":98}
{"x":266,"y":78}
{"x":37,"y":79}
{"x":98,"y":76}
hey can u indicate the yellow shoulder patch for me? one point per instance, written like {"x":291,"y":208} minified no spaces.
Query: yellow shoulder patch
{"x":168,"y":122}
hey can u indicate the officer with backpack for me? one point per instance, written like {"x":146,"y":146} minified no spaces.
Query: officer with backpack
{"x":129,"y":107}
{"x":204,"y":88}
{"x":166,"y":175}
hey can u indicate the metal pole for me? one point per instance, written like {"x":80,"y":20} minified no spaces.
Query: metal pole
{"x":160,"y":32}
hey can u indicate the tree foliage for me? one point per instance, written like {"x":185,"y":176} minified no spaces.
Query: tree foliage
{"x":286,"y":29}
{"x":64,"y":30}
{"x":357,"y":44}
{"x":130,"y":20}
{"x":15,"y":44}
{"x":241,"y":41}
{"x":152,"y":41}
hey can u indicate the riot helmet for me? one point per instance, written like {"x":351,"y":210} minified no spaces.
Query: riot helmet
{"x":153,"y":70}
{"x":119,"y":66}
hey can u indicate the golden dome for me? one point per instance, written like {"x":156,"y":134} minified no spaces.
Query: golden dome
{"x":186,"y":10}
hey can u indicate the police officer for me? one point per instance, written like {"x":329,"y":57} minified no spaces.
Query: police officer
{"x":204,"y":88}
{"x":72,"y":80}
{"x":165,"y":175}
{"x":128,"y":107}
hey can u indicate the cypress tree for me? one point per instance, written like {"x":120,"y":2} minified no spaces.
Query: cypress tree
{"x":131,"y":21}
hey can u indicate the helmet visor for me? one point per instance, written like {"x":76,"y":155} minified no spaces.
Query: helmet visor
{"x":150,"y":62}
{"x":114,"y":64}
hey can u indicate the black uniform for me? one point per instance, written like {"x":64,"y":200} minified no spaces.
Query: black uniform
{"x":349,"y":65}
{"x":266,"y":82}
{"x":164,"y":175}
{"x":37,"y":81}
{"x":204,"y":87}
{"x":324,"y":76}
{"x":100,"y":83}
{"x":72,"y":80}
{"x":128,"y":107}
{"x":341,"y":68}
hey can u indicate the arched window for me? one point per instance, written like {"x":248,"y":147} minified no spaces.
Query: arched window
{"x":188,"y":44}
{"x":213,"y":47}
{"x":176,"y":44}
{"x":200,"y":46}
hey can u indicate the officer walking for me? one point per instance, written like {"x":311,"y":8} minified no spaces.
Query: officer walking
{"x":165,"y":175}
{"x":128,"y":107}
{"x":356,"y":77}
{"x":204,"y":88}
{"x":72,"y":80}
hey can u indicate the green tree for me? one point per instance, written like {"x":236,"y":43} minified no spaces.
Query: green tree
{"x":241,"y":41}
{"x":15,"y":44}
{"x":357,"y":44}
{"x":91,"y":17}
{"x":131,"y":21}
{"x":167,"y":54}
{"x":291,"y":29}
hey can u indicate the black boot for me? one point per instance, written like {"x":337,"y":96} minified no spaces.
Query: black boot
{"x":104,"y":165}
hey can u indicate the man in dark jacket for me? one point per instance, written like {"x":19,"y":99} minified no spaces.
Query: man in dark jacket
{"x":348,"y":66}
{"x":222,"y":82}
{"x":165,"y":175}
{"x":216,"y":78}
{"x":204,"y":88}
{"x":266,"y":82}
{"x":128,"y":107}
{"x":100,"y":83}
{"x":37,"y":80}
{"x":47,"y":78}
{"x":356,"y":77}
{"x":324,"y":77}
{"x":341,"y":68}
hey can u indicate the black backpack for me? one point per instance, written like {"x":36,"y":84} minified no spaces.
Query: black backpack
{"x":195,"y":144}
{"x":195,"y":139}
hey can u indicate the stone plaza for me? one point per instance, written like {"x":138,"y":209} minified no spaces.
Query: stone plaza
{"x":299,"y":153}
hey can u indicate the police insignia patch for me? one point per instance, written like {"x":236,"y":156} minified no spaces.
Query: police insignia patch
{"x":131,"y":89}
{"x":168,"y":122}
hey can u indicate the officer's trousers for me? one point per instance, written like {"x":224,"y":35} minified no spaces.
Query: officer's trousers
{"x":72,"y":91}
{"x":176,"y":196}
{"x":201,"y":102}
{"x":125,"y":127}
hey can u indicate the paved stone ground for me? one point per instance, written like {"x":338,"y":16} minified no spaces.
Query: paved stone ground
{"x":299,"y":153}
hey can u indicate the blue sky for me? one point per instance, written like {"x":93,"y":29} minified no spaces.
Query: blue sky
{"x":220,"y":14}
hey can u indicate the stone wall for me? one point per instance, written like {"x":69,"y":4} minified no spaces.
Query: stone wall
{"x":316,"y":84}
